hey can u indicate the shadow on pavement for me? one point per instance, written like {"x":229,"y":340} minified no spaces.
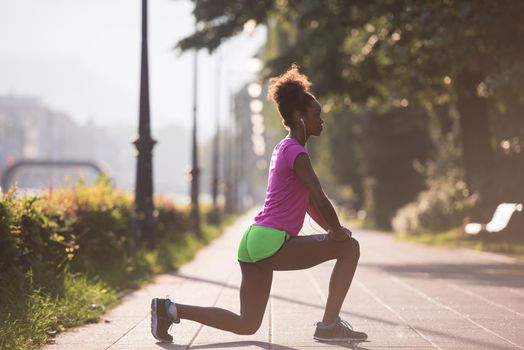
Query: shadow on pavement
{"x":501,"y":275}
{"x":348,"y":345}
{"x":449,"y":271}
{"x":289,"y":300}
{"x":238,"y":344}
{"x":260,"y":344}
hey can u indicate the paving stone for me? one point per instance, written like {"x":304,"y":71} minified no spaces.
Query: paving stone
{"x":405,"y":296}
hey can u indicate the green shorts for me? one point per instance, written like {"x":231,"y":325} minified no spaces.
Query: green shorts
{"x":260,"y":242}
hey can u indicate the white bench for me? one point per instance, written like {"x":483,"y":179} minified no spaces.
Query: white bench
{"x":498,"y":222}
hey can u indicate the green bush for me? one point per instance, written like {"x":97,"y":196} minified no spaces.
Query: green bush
{"x":65,"y":255}
{"x":443,"y":206}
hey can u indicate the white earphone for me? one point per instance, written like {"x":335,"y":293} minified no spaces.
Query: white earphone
{"x":304,"y":126}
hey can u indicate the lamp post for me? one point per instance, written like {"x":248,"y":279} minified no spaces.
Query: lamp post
{"x":195,"y":171}
{"x":230,"y":164}
{"x":144,"y":225}
{"x":215,"y":217}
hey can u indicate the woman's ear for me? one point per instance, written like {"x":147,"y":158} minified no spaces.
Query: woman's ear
{"x":296,"y":117}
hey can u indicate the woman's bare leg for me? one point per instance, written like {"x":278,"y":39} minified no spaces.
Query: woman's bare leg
{"x":306,"y":251}
{"x":298,"y":253}
{"x":254,"y":294}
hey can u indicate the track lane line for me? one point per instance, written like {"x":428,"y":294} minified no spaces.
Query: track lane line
{"x":377,"y":299}
{"x":444,"y":306}
{"x":480,"y":297}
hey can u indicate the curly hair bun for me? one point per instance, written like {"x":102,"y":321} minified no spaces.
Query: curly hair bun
{"x":289,"y":84}
{"x":289,"y":92}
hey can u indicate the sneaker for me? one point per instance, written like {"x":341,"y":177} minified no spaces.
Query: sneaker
{"x":340,"y":331}
{"x":161,"y":320}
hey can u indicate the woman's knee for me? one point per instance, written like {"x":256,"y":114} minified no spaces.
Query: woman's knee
{"x":347,"y":249}
{"x":353,"y":249}
{"x":248,"y":327}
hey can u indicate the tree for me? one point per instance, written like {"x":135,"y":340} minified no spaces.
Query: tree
{"x":381,"y":53}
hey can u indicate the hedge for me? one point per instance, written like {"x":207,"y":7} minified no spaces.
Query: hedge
{"x":65,"y":256}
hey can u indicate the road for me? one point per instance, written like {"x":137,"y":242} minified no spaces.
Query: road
{"x":405,"y":296}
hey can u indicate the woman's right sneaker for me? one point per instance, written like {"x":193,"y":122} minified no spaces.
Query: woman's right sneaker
{"x":340,"y":331}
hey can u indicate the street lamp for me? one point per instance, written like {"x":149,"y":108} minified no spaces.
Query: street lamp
{"x":231,"y":180}
{"x":215,"y":217}
{"x":195,"y":171}
{"x":144,"y":227}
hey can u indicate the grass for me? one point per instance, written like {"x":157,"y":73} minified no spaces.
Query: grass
{"x":36,"y":314}
{"x":30,"y":316}
{"x":458,"y":239}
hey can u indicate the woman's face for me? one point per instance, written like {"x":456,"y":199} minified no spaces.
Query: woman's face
{"x":312,"y":118}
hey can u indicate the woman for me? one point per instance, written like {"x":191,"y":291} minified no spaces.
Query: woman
{"x":271,"y":243}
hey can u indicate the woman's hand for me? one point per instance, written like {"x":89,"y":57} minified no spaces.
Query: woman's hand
{"x":339,"y":235}
{"x":347,"y":231}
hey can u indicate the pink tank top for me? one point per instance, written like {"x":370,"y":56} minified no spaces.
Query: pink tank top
{"x":286,"y":199}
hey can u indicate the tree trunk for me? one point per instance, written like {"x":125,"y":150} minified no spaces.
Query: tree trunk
{"x":475,"y":134}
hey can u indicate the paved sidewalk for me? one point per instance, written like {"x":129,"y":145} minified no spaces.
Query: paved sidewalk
{"x":405,"y":296}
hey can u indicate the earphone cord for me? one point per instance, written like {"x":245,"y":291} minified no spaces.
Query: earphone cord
{"x":316,"y":230}
{"x":305,"y":138}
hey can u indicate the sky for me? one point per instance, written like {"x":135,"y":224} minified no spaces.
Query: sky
{"x":83,"y":58}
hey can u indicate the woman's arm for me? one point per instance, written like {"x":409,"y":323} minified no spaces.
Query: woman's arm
{"x":313,"y":212}
{"x":322,"y":205}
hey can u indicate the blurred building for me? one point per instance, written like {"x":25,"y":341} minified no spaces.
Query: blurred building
{"x":18,"y":131}
{"x":30,"y":130}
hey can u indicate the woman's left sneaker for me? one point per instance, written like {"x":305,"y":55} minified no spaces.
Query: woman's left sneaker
{"x":340,"y":330}
{"x":161,"y":320}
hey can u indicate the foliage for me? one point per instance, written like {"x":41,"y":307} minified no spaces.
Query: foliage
{"x":444,"y":205}
{"x":375,"y":154}
{"x":446,"y":202}
{"x":31,"y":314}
{"x":349,"y":47}
{"x":64,"y":256}
{"x":373,"y":57}
{"x":456,"y":238}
